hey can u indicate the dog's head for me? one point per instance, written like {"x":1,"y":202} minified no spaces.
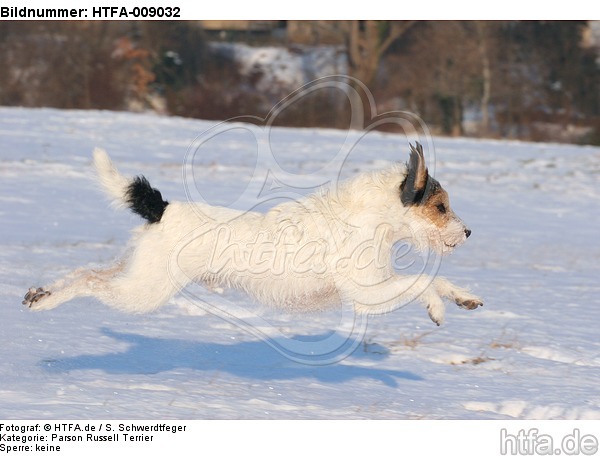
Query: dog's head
{"x":433,"y":223}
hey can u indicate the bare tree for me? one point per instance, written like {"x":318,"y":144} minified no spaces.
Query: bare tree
{"x":437,"y":73}
{"x":367,"y":42}
{"x":486,"y":75}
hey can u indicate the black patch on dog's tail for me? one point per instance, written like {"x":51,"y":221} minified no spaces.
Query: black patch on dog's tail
{"x":145,"y":200}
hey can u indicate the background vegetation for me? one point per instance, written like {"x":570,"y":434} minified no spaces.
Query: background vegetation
{"x":531,"y":80}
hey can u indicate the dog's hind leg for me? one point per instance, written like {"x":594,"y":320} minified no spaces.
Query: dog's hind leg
{"x":142,"y":288}
{"x":124,"y":287}
{"x":79,"y":283}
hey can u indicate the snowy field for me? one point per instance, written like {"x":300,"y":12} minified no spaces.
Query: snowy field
{"x":532,"y":352}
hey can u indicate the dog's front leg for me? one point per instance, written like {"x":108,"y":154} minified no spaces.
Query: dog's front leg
{"x":461,"y":296}
{"x":395,"y":292}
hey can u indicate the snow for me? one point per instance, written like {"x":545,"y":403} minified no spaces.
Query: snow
{"x":532,"y":352}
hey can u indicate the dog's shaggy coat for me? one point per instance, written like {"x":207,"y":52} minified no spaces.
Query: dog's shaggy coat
{"x":330,"y":247}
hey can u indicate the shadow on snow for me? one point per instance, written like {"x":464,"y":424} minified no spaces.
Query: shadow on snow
{"x":252,"y":359}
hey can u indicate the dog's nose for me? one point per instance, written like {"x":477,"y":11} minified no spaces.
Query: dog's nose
{"x":467,"y":232}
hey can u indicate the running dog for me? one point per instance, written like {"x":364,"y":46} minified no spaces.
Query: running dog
{"x":331,"y":247}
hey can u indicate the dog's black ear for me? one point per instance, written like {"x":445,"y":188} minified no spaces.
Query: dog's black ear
{"x":413,"y":187}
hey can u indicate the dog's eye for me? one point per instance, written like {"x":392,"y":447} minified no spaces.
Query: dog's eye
{"x":441,"y":208}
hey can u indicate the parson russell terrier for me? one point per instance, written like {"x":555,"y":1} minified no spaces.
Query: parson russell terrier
{"x":331,"y":247}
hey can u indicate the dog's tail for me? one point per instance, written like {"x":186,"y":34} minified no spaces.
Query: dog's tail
{"x":137,"y":194}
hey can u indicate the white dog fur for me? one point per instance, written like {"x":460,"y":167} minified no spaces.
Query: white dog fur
{"x":330,"y":247}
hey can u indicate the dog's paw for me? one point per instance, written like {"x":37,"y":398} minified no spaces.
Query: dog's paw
{"x":469,"y":303}
{"x":34,"y":295}
{"x":436,"y":313}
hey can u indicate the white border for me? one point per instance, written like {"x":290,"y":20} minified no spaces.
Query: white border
{"x":348,"y":9}
{"x":320,"y":437}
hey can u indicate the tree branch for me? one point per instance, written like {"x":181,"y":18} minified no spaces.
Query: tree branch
{"x":397,"y":29}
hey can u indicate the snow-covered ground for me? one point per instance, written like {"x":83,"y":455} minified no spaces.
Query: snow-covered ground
{"x":533,"y":350}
